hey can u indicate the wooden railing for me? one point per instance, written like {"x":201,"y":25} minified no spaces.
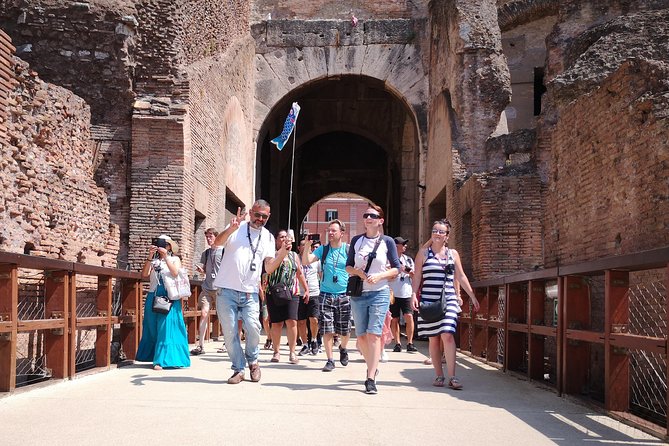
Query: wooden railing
{"x":59,"y":322}
{"x":580,"y":329}
{"x":57,"y":319}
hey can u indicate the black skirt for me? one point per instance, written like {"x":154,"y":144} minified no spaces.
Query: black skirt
{"x":284,"y":312}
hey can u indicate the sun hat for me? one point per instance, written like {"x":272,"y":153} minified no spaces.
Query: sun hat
{"x":173,"y":244}
{"x":400,"y":241}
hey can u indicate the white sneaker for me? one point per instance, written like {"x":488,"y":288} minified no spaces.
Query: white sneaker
{"x":384,"y":356}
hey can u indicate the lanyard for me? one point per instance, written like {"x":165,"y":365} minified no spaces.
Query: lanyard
{"x":253,"y":249}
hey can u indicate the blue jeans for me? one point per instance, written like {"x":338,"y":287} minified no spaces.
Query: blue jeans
{"x":232,"y":306}
{"x":369,"y":311}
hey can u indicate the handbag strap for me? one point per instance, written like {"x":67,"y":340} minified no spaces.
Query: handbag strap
{"x":445,"y":265}
{"x":372,"y":255}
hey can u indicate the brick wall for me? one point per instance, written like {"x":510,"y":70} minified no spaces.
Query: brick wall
{"x":50,"y":204}
{"x":505,"y":233}
{"x":609,"y":170}
{"x":337,"y":9}
{"x":6,"y":82}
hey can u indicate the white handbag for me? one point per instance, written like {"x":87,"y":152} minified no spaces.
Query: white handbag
{"x":177,"y":287}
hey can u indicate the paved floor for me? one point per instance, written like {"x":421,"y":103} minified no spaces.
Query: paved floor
{"x":296,"y":404}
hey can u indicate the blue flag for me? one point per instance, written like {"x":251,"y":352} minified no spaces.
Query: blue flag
{"x":288,"y":127}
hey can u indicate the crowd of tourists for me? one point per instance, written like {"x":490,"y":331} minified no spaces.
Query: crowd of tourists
{"x":319,"y":293}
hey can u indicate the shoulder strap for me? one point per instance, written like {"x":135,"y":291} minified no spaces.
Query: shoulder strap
{"x":372,"y":255}
{"x":326,"y":249}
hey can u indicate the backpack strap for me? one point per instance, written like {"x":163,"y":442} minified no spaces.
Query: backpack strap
{"x":326,"y":249}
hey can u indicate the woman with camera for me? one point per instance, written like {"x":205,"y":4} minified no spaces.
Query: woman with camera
{"x":367,"y":265}
{"x":282,"y":300}
{"x":437,"y":267}
{"x":164,"y":340}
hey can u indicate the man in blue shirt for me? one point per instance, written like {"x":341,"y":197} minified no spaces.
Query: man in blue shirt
{"x":335,"y":306}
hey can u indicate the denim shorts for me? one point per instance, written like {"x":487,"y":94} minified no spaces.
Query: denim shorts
{"x":369,"y":311}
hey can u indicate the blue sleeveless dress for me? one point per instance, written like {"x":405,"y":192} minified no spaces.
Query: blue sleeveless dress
{"x":164,"y":339}
{"x":435,"y":272}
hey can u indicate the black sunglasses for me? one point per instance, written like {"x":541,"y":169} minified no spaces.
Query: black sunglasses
{"x":372,"y":216}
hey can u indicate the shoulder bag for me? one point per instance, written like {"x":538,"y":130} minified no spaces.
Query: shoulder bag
{"x":436,"y":310}
{"x":280,"y":292}
{"x":161,"y":304}
{"x":177,"y":287}
{"x":354,"y":285}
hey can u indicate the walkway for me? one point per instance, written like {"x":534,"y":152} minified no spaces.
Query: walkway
{"x":300,"y":404}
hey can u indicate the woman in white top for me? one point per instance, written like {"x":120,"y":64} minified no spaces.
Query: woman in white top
{"x":368,"y":258}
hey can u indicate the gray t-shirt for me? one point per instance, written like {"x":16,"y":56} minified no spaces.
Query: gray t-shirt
{"x":211,"y":259}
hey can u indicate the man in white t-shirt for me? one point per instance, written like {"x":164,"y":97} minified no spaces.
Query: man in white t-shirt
{"x":248,"y":246}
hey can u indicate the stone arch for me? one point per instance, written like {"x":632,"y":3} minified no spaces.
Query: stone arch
{"x":519,"y":12}
{"x":383,"y":150}
{"x":398,"y":66}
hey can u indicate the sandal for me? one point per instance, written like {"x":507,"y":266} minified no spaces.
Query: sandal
{"x":428,"y":361}
{"x":439,"y":381}
{"x":454,"y":383}
{"x":292,"y":358}
{"x":276,"y":357}
{"x":268,"y":344}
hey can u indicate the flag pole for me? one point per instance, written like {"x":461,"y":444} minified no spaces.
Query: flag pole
{"x":292,"y":174}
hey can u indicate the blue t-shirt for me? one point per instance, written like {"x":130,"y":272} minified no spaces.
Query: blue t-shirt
{"x":334,"y":266}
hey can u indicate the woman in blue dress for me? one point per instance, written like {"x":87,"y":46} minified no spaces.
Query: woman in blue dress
{"x":437,"y":267}
{"x":164,"y":340}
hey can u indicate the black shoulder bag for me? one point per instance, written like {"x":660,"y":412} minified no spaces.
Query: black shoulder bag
{"x":354,"y":286}
{"x":280,"y":292}
{"x":435,"y":311}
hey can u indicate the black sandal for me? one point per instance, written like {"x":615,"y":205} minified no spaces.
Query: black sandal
{"x":268,"y":344}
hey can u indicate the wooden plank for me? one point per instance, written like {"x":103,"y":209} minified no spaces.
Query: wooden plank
{"x":543,"y":330}
{"x":636,"y":342}
{"x":104,"y":331}
{"x":542,"y":274}
{"x":519,"y":328}
{"x":587,"y":336}
{"x":616,"y":318}
{"x":34,"y":262}
{"x":57,"y":297}
{"x":496,"y":324}
{"x":40,"y":324}
{"x":92,"y":322}
{"x":8,"y":310}
{"x":489,"y":282}
{"x":93,"y":270}
{"x":130,"y":316}
{"x":655,"y":258}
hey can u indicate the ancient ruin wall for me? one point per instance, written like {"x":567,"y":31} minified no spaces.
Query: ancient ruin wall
{"x":221,"y":110}
{"x":610,"y":168}
{"x":50,"y":204}
{"x":337,"y":9}
{"x":498,"y":222}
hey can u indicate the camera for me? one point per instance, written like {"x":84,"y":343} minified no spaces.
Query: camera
{"x":159,"y":242}
{"x":407,"y":269}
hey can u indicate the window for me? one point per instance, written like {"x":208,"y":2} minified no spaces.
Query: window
{"x":331,"y":214}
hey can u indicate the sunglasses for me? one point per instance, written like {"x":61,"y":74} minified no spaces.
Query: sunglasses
{"x":372,"y":216}
{"x":440,"y":232}
{"x":260,"y":215}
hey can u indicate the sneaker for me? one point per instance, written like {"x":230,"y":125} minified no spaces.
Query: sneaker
{"x":384,"y":356}
{"x":236,"y":378}
{"x":343,"y":356}
{"x":197,"y":351}
{"x":370,"y":386}
{"x":411,"y":348}
{"x":398,"y":347}
{"x":314,"y":348}
{"x":329,"y":366}
{"x":255,"y":372}
{"x":304,"y":351}
{"x":320,"y":348}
